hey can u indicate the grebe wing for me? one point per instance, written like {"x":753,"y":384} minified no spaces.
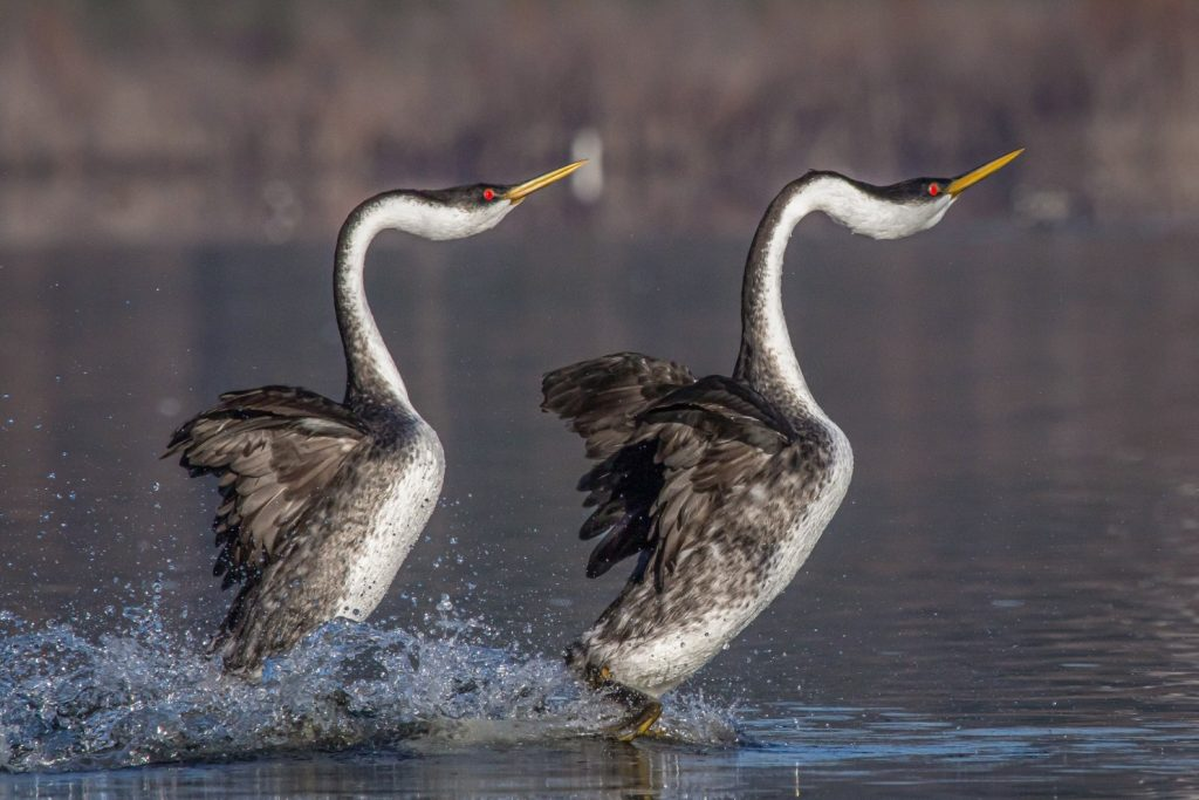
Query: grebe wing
{"x":690,"y":453}
{"x":601,"y":398}
{"x":274,"y":450}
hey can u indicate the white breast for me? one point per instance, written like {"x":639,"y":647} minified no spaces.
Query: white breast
{"x":403,"y":510}
{"x":807,"y":529}
{"x":657,"y":663}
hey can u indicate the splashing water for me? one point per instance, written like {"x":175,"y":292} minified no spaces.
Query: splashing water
{"x":145,"y":695}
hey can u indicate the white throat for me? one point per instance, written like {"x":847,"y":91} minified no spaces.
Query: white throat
{"x":413,"y":214}
{"x":866,"y":214}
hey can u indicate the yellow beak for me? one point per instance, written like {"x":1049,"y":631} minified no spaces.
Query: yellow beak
{"x":518,"y":193}
{"x":963,"y":183}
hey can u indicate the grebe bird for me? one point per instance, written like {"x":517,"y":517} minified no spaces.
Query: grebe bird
{"x":720,"y":486}
{"x":321,"y":501}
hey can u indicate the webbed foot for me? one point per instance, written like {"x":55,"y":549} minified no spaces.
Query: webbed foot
{"x":644,"y":710}
{"x":638,"y":723}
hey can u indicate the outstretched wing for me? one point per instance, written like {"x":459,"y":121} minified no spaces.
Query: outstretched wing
{"x":691,"y":455}
{"x":601,"y":398}
{"x":670,"y":464}
{"x":274,"y":450}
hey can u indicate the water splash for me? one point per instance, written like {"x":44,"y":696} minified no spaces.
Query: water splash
{"x":146,"y":695}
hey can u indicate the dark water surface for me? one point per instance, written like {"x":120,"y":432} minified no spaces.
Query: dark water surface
{"x":1006,"y":603}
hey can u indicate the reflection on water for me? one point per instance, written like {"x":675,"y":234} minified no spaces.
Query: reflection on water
{"x":1005,"y":602}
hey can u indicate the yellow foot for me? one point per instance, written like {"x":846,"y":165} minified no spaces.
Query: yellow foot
{"x":639,"y":723}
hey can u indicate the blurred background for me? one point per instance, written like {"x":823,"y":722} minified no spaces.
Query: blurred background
{"x":148,"y":122}
{"x":1020,"y":384}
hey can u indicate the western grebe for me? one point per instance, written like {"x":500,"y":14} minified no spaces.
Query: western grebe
{"x":720,"y":486}
{"x":321,"y":501}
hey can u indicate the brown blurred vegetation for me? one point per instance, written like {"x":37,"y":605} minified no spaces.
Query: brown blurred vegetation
{"x":140,"y":121}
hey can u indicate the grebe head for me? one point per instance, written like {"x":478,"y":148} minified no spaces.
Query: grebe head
{"x":460,"y":211}
{"x":898,"y":210}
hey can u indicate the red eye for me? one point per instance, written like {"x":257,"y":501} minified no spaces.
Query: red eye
{"x":488,"y":195}
{"x":934,"y":189}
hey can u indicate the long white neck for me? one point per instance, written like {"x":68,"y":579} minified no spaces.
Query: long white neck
{"x":767,"y":360}
{"x":371,"y":373}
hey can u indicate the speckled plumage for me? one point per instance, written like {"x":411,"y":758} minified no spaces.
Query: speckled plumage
{"x":317,"y":514}
{"x":322,"y":501}
{"x":720,"y":486}
{"x":720,"y":498}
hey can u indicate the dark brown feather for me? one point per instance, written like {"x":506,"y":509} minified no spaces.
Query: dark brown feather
{"x":601,"y":398}
{"x":672,"y":451}
{"x":274,"y":450}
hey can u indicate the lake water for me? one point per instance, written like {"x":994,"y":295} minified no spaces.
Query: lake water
{"x":1005,"y":604}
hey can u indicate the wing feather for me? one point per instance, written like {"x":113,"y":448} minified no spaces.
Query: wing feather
{"x":274,"y":450}
{"x":677,"y":462}
{"x":601,"y":398}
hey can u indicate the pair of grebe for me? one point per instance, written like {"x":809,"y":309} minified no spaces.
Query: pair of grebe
{"x":720,"y":486}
